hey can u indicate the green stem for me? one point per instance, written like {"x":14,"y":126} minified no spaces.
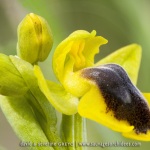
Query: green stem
{"x":80,"y":130}
{"x":73,"y":131}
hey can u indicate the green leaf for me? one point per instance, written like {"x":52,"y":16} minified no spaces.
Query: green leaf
{"x":56,"y":94}
{"x":129,"y":57}
{"x":22,"y":119}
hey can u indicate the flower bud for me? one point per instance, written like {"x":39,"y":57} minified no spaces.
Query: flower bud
{"x":34,"y":39}
{"x":11,"y":82}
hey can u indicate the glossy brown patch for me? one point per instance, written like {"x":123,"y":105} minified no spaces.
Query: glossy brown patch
{"x":121,"y":96}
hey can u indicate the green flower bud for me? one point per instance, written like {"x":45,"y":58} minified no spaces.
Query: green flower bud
{"x":11,"y":82}
{"x":34,"y":39}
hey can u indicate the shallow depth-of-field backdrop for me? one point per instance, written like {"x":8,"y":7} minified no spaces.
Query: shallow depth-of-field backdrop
{"x":122,"y":22}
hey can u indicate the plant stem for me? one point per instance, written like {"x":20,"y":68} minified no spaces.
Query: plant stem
{"x":73,"y":131}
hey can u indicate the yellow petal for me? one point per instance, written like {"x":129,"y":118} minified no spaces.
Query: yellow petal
{"x":61,"y":100}
{"x":92,"y":105}
{"x":140,"y":136}
{"x":81,"y":47}
{"x":147,"y":97}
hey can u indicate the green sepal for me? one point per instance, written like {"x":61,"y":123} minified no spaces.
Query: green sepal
{"x":11,"y":82}
{"x":63,"y":101}
{"x":129,"y":57}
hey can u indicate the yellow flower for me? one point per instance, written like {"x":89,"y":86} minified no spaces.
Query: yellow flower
{"x":115,"y":102}
{"x":105,"y":92}
{"x":73,"y":54}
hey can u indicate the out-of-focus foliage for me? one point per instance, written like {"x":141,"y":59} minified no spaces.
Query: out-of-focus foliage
{"x":121,"y":22}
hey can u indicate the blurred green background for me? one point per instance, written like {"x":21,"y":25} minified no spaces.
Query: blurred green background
{"x":122,"y":22}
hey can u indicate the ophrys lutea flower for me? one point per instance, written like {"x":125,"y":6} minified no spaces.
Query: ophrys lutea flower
{"x":99,"y":91}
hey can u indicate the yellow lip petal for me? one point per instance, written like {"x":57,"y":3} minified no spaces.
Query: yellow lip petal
{"x":140,"y":136}
{"x":147,"y":97}
{"x":92,"y":105}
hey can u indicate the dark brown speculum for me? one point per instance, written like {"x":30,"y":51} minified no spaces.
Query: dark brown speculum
{"x":121,"y":96}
